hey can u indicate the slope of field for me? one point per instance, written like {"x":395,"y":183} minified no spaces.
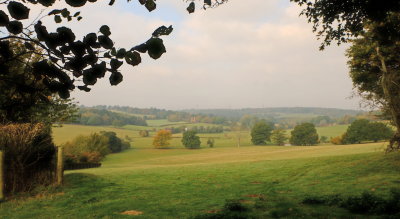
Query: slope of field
{"x":179,"y":183}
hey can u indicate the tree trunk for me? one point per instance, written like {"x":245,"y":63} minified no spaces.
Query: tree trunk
{"x":392,"y":96}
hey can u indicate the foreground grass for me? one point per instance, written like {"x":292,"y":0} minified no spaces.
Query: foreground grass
{"x":179,"y":183}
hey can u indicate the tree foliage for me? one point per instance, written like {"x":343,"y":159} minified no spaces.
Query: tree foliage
{"x":304,"y":134}
{"x":24,"y":99}
{"x":191,"y":140}
{"x":162,"y":138}
{"x":261,"y":132}
{"x":340,"y":20}
{"x":364,"y":130}
{"x":279,"y":137}
{"x":374,"y":26}
{"x":68,"y":62}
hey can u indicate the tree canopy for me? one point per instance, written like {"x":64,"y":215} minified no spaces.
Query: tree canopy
{"x":261,"y":133}
{"x":304,"y":134}
{"x":67,"y":62}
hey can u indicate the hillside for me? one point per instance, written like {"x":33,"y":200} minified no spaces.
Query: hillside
{"x":278,"y":112}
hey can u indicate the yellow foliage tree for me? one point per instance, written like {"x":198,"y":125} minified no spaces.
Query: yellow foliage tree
{"x":161,"y":139}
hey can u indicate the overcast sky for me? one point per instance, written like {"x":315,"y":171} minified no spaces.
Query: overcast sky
{"x":239,"y":55}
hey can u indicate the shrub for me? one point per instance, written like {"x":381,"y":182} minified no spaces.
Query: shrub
{"x":115,"y":144}
{"x":210,"y":142}
{"x":191,"y":140}
{"x":366,"y":203}
{"x":29,"y":156}
{"x":337,"y":140}
{"x":144,"y":133}
{"x":95,"y":145}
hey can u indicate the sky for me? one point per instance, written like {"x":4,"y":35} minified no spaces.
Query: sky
{"x":243,"y":54}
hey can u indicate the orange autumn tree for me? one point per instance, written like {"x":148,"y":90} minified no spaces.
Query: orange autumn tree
{"x":161,"y":139}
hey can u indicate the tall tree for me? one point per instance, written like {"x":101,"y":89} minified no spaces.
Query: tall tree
{"x":304,"y":134}
{"x":376,"y":23}
{"x":261,"y":133}
{"x":279,"y":137}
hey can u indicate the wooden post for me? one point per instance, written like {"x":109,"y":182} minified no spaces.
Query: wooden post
{"x":2,"y":197}
{"x":60,"y":166}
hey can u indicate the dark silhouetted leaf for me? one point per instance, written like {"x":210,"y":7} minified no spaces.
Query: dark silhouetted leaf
{"x":65,"y":35}
{"x":115,"y":78}
{"x":191,"y":7}
{"x":207,"y":2}
{"x":76,"y":3}
{"x":88,"y":77}
{"x":163,"y":30}
{"x":121,"y":53}
{"x":140,"y":48}
{"x":46,"y":3}
{"x":133,"y":58}
{"x":14,"y":27}
{"x":57,"y":19}
{"x":64,"y":93}
{"x":90,"y":39}
{"x":54,"y":12}
{"x":115,"y":64}
{"x":18,"y":11}
{"x":79,"y":18}
{"x":155,"y":48}
{"x":3,"y":19}
{"x":78,"y":48}
{"x":105,"y":42}
{"x":150,"y":5}
{"x":99,"y":70}
{"x":105,"y":30}
{"x":77,"y":14}
{"x":65,"y":13}
{"x":142,"y":2}
{"x":84,"y":88}
{"x":111,"y":2}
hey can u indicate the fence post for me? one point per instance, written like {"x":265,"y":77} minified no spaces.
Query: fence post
{"x":60,"y":166}
{"x":2,"y":176}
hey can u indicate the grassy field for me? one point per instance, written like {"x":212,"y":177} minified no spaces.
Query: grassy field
{"x":68,"y":132}
{"x":332,"y":131}
{"x":179,"y":183}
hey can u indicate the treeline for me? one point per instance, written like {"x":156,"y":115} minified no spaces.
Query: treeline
{"x":91,"y":116}
{"x":197,"y":118}
{"x":170,"y":115}
{"x":148,"y":113}
{"x":197,"y":129}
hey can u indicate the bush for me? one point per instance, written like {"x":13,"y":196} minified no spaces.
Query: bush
{"x":93,"y":148}
{"x":144,"y":133}
{"x":191,"y":140}
{"x":210,"y":142}
{"x":366,"y":203}
{"x":337,"y":140}
{"x":29,"y":156}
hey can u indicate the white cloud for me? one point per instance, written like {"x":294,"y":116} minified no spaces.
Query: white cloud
{"x":238,"y":55}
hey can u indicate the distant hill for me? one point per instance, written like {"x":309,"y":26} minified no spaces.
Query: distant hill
{"x":278,"y":112}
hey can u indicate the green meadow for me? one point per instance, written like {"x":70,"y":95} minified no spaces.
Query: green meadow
{"x":182,"y":183}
